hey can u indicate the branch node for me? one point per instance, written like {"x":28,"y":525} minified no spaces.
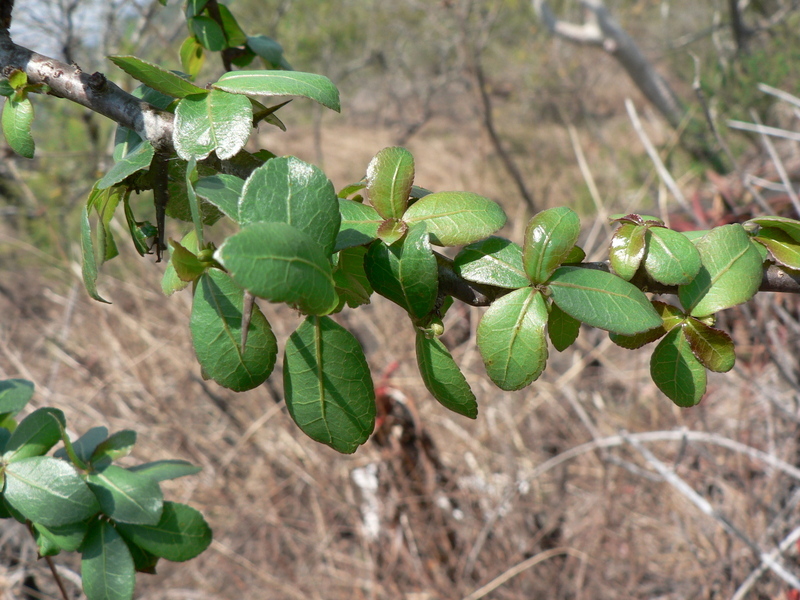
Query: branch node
{"x":98,"y":82}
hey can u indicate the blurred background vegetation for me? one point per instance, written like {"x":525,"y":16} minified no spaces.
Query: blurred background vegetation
{"x":457,"y":504}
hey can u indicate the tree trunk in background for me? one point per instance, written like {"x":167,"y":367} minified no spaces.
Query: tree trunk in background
{"x":602,"y":30}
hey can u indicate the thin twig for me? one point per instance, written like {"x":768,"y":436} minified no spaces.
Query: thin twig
{"x":785,"y":96}
{"x":765,"y":129}
{"x":776,"y":159}
{"x":523,"y":566}
{"x":751,"y":579}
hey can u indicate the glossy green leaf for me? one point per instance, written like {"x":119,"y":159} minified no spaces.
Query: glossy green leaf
{"x":281,"y":83}
{"x":288,"y":190}
{"x":114,"y":447}
{"x":575,"y":256}
{"x":194,"y":8}
{"x":783,"y":247}
{"x":390,"y":175}
{"x":512,"y":338}
{"x":352,"y":284}
{"x":216,"y":326}
{"x":676,"y":371}
{"x":216,"y":122}
{"x":352,"y":189}
{"x":208,"y":32}
{"x":223,"y":191}
{"x":602,"y":300}
{"x":670,"y":317}
{"x":171,"y":282}
{"x":185,"y":263}
{"x":788,"y":226}
{"x":137,"y":159}
{"x":493,"y":261}
{"x":163,"y":470}
{"x":443,"y":378}
{"x":6,"y":89}
{"x":391,"y":231}
{"x":549,"y":238}
{"x":359,"y":224}
{"x":16,"y":122}
{"x":143,"y":561}
{"x":730,"y":272}
{"x":562,"y":329}
{"x":66,"y":537}
{"x":456,"y":218}
{"x":182,"y":196}
{"x":627,"y":250}
{"x":269,"y":50}
{"x":180,"y":535}
{"x":35,"y":434}
{"x":48,"y":491}
{"x":143,"y":233}
{"x":712,"y":347}
{"x":107,"y":568}
{"x":14,"y":395}
{"x":157,"y":78}
{"x":280,"y":263}
{"x":192,"y":56}
{"x":671,"y":258}
{"x":127,"y":497}
{"x":105,"y":203}
{"x":327,"y":385}
{"x":89,"y":261}
{"x":406,"y":272}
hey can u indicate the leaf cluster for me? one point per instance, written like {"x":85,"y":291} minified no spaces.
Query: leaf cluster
{"x":79,"y":500}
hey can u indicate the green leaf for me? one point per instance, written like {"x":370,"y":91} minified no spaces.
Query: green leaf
{"x":16,"y":121}
{"x":14,"y":395}
{"x":194,"y":8}
{"x":327,"y":384}
{"x":66,"y":537}
{"x":788,"y":226}
{"x":192,"y":56}
{"x":783,"y":247}
{"x":280,"y":263}
{"x":170,"y":282}
{"x":676,"y":371}
{"x":269,"y":50}
{"x":390,"y":175}
{"x":359,"y":224}
{"x":406,"y":272}
{"x":352,"y":284}
{"x":562,"y":329}
{"x":89,"y":262}
{"x":223,"y":191}
{"x":288,"y":190}
{"x":391,"y":230}
{"x":512,"y":338}
{"x":105,"y":203}
{"x":48,"y":491}
{"x":163,"y":470}
{"x":456,"y":218}
{"x":186,"y":264}
{"x":143,"y":233}
{"x":281,"y":83}
{"x":157,"y":78}
{"x":493,"y":261}
{"x":139,"y":157}
{"x":107,"y":568}
{"x":143,"y":561}
{"x":730,"y":273}
{"x":35,"y":435}
{"x":208,"y":33}
{"x":85,"y":445}
{"x":217,"y":122}
{"x":216,"y":326}
{"x":233,"y":33}
{"x":191,"y":197}
{"x":180,"y":535}
{"x":671,"y":317}
{"x":627,"y":250}
{"x":671,"y":258}
{"x":114,"y":447}
{"x":181,"y":197}
{"x":712,"y":347}
{"x":127,"y":497}
{"x":549,"y":238}
{"x":602,"y":300}
{"x":443,"y":378}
